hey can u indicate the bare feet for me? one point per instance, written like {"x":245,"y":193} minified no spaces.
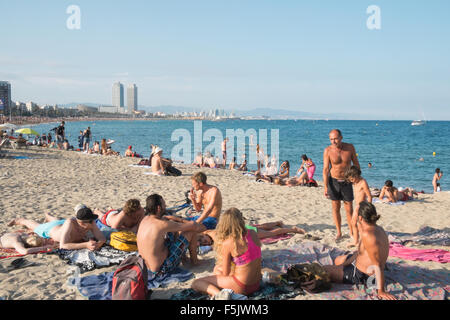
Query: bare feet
{"x":338,"y":237}
{"x":12,"y":223}
{"x":298,"y":230}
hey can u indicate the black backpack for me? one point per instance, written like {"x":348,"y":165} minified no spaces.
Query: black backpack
{"x":172,"y":171}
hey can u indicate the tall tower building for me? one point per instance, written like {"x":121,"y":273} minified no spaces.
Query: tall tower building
{"x":118,"y":95}
{"x":5,"y":97}
{"x":132,"y":98}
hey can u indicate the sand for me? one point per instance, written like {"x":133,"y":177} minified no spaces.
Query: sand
{"x":55,"y":181}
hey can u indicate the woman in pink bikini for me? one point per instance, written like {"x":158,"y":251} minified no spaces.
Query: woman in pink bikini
{"x":238,"y":268}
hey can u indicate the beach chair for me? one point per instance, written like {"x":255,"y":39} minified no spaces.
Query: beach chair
{"x":18,"y":144}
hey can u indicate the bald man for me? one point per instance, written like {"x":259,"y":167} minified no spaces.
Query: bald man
{"x":337,"y":158}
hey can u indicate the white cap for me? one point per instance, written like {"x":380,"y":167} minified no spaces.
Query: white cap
{"x":79,"y":206}
{"x":401,"y":189}
{"x":157,"y":149}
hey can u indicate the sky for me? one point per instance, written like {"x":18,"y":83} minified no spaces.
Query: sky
{"x":310,"y":56}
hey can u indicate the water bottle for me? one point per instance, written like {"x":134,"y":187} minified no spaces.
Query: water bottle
{"x":270,"y":278}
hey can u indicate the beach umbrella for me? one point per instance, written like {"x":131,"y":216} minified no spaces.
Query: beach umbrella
{"x":8,"y":126}
{"x":27,"y":131}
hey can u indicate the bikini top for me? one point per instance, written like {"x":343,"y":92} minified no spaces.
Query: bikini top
{"x":253,"y":252}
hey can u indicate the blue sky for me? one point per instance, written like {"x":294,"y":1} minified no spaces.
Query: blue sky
{"x":314,"y":56}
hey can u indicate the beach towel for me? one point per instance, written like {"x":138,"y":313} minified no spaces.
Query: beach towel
{"x":11,"y":253}
{"x":98,"y":287}
{"x":399,"y":251}
{"x":398,"y":203}
{"x":88,"y":260}
{"x":404,"y":281}
{"x":276,"y":238}
{"x":139,"y":166}
{"x":267,"y":291}
{"x":425,"y":236}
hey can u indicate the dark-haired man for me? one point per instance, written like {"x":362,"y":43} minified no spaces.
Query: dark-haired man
{"x":337,"y":158}
{"x":370,"y":256}
{"x":163,"y":242}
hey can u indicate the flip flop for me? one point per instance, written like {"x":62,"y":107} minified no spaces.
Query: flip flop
{"x":19,"y":264}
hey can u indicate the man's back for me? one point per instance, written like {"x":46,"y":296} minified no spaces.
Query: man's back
{"x":374,"y":242}
{"x":150,"y":241}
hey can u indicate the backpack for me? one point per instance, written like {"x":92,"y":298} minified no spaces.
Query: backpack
{"x":298,"y":274}
{"x":144,"y":162}
{"x":130,"y":280}
{"x":123,"y":240}
{"x":312,"y":183}
{"x":172,"y":171}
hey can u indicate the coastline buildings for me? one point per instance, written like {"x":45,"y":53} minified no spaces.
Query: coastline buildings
{"x":132,"y":98}
{"x":118,"y":95}
{"x":5,"y":97}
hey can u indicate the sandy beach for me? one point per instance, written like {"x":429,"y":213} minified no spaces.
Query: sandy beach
{"x":53,"y":181}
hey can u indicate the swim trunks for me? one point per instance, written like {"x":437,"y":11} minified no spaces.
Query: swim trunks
{"x":210,"y":223}
{"x":340,"y":190}
{"x":176,"y":250}
{"x":105,"y":219}
{"x":43,"y":230}
{"x":353,"y":275}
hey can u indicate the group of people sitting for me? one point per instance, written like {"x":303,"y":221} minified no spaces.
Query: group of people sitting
{"x":164,"y":240}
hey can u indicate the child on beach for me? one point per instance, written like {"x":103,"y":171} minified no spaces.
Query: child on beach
{"x":437,"y":176}
{"x":237,"y":245}
{"x":361,"y":192}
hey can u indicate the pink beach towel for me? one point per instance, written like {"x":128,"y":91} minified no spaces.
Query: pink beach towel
{"x":399,"y":251}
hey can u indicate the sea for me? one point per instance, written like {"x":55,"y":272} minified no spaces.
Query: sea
{"x":407,"y":155}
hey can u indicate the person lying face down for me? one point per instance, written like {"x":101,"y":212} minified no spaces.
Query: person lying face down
{"x":127,"y":219}
{"x":25,"y":242}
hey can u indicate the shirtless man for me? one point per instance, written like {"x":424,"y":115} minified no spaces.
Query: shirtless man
{"x":208,"y":197}
{"x":72,"y":234}
{"x":224,"y":152}
{"x":337,"y":158}
{"x":161,"y":242}
{"x":370,"y":256}
{"x":157,"y":162}
{"x":361,"y":192}
{"x":127,"y":219}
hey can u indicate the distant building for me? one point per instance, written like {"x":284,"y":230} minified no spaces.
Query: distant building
{"x":5,"y":97}
{"x":108,"y":109}
{"x":84,"y":108}
{"x":132,"y":98}
{"x":118,"y":95}
{"x":31,"y":106}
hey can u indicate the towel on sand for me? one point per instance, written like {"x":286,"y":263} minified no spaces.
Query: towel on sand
{"x":88,"y":260}
{"x":99,"y":287}
{"x":425,"y":236}
{"x":398,"y":203}
{"x":399,"y":251}
{"x":402,"y":280}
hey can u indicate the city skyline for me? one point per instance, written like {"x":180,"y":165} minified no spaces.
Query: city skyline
{"x":294,"y":55}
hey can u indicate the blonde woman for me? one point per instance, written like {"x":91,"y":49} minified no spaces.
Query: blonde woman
{"x":237,"y":247}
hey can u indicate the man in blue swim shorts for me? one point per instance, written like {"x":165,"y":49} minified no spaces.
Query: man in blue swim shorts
{"x":79,"y":232}
{"x":163,"y":243}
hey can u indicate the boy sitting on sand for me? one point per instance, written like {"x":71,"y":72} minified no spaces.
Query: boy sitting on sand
{"x":361,"y":192}
{"x":71,"y":233}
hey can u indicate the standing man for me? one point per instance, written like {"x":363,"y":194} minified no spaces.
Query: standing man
{"x":87,"y":139}
{"x":60,"y":135}
{"x":224,"y":152}
{"x":337,"y":158}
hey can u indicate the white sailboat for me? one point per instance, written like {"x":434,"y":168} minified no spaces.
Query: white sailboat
{"x":419,"y":122}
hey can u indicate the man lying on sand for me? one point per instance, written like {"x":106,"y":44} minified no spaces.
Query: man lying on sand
{"x":370,"y":256}
{"x":25,"y":242}
{"x":208,"y":198}
{"x":71,"y":233}
{"x":127,"y":219}
{"x":162,"y":243}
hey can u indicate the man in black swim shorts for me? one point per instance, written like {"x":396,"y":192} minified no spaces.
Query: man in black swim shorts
{"x":337,"y":158}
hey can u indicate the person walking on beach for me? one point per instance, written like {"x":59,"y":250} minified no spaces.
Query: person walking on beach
{"x":337,"y":158}
{"x":162,"y":243}
{"x":437,"y":176}
{"x":224,"y":152}
{"x":60,"y":134}
{"x":206,"y":197}
{"x":81,"y":140}
{"x":370,"y":257}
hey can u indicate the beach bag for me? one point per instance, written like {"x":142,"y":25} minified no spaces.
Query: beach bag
{"x":144,"y":162}
{"x":298,"y":274}
{"x":172,"y":171}
{"x":312,"y":183}
{"x":124,"y":240}
{"x":130,"y":280}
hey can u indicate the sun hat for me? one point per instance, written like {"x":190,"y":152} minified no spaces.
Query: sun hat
{"x":157,"y":150}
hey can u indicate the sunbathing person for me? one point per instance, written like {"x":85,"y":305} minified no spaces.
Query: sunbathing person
{"x":162,"y":243}
{"x":394,"y":195}
{"x":25,"y":242}
{"x":243,"y":166}
{"x":233,"y":164}
{"x":208,"y":199}
{"x":198,"y":160}
{"x":157,"y":164}
{"x":71,"y":233}
{"x":370,"y":256}
{"x":265,"y":230}
{"x":306,"y":171}
{"x":127,"y":219}
{"x":234,"y":244}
